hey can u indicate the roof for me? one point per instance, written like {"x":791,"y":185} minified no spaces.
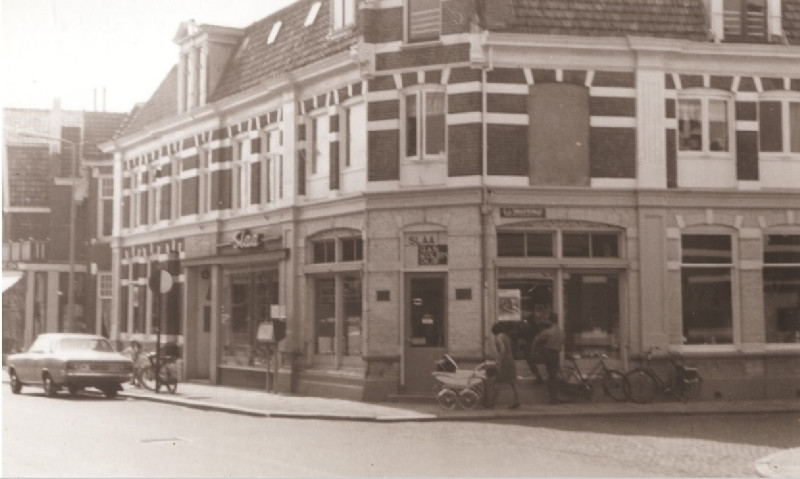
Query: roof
{"x":791,"y":21}
{"x":99,"y":127}
{"x":681,"y":19}
{"x":254,"y":61}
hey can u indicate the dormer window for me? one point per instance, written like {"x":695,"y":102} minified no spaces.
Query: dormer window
{"x":312,"y":14}
{"x":343,"y":14}
{"x":273,"y":34}
{"x":745,"y":20}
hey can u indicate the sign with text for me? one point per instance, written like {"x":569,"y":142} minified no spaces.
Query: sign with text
{"x":522,"y":212}
{"x":426,"y":249}
{"x":509,"y":305}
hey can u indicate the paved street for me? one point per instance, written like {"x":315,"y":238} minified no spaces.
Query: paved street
{"x":90,"y":437}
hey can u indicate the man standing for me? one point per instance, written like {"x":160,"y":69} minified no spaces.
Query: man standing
{"x":550,"y":341}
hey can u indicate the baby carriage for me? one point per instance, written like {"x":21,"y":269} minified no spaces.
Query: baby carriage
{"x":460,"y":386}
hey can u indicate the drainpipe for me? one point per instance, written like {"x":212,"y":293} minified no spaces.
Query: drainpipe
{"x":484,"y":210}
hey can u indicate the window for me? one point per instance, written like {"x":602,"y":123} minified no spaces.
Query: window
{"x":176,"y":166}
{"x":744,"y":20}
{"x":706,"y":285}
{"x":352,"y":249}
{"x":590,"y":245}
{"x":273,"y":166}
{"x":573,"y":244}
{"x":250,"y":295}
{"x":105,"y":291}
{"x":312,"y":14}
{"x":332,"y":321}
{"x":105,"y":206}
{"x":324,"y":251}
{"x":703,"y":124}
{"x":424,"y":20}
{"x":241,"y":174}
{"x":425,"y":124}
{"x":782,"y":288}
{"x":343,"y":13}
{"x":319,"y":142}
{"x":273,"y":33}
{"x":779,"y":126}
{"x":537,"y":244}
{"x":204,"y":185}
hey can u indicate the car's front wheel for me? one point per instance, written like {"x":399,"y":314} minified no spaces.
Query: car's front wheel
{"x":74,"y":390}
{"x":16,"y":385}
{"x":110,"y":392}
{"x":50,"y":388}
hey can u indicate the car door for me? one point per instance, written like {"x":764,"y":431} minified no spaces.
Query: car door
{"x":30,"y":367}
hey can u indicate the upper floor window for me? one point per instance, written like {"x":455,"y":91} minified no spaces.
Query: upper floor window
{"x":424,"y":20}
{"x":744,"y":20}
{"x":204,"y":185}
{"x":779,"y":125}
{"x":425,"y":123}
{"x":337,"y":250}
{"x":343,"y":13}
{"x":704,"y":124}
{"x":105,"y":206}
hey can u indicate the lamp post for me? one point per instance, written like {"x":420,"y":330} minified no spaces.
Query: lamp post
{"x":72,"y":214}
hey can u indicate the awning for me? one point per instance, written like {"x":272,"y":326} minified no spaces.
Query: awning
{"x":10,"y":278}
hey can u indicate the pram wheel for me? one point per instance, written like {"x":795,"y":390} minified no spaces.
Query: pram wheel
{"x":447,"y":398}
{"x":469,"y":398}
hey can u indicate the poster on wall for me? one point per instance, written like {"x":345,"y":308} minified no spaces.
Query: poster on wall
{"x":509,"y":305}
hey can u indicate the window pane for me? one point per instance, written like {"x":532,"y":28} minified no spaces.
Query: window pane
{"x":576,"y":245}
{"x":732,"y":17}
{"x":770,"y":127}
{"x":706,"y":249}
{"x":539,"y":245}
{"x":755,"y":18}
{"x":511,"y":245}
{"x":423,"y":20}
{"x":352,"y":249}
{"x":411,"y":125}
{"x":324,"y":315}
{"x":351,"y":290}
{"x":794,"y":126}
{"x":605,"y":245}
{"x":707,"y":316}
{"x":782,"y":249}
{"x":718,"y":125}
{"x":690,"y":128}
{"x":782,"y":304}
{"x":591,"y":310}
{"x":324,"y":251}
{"x":434,"y":123}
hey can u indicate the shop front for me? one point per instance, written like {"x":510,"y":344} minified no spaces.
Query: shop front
{"x":234,"y":294}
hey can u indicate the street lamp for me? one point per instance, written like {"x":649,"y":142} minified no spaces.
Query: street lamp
{"x":72,"y":214}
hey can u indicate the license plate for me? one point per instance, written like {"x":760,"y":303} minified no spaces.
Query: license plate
{"x":100,"y":367}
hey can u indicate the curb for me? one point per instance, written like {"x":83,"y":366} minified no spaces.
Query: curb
{"x":782,"y":464}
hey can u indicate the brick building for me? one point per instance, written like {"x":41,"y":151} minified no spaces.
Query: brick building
{"x":37,"y":180}
{"x":395,"y":175}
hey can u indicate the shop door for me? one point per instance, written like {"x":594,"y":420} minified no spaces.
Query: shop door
{"x":426,"y":330}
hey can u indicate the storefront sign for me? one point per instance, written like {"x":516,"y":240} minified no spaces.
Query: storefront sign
{"x":245,"y":239}
{"x":522,"y":212}
{"x":431,"y":248}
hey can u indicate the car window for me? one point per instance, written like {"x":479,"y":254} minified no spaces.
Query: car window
{"x":40,"y":345}
{"x":84,"y":344}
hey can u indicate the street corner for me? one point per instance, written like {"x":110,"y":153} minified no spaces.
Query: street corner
{"x":782,"y":464}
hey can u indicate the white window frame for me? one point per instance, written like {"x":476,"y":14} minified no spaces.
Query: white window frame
{"x":105,"y":191}
{"x":705,"y":96}
{"x":786,"y":99}
{"x":773,"y":21}
{"x":273,"y":158}
{"x":421,"y":144}
{"x":204,"y":180}
{"x":175,"y":191}
{"x":317,"y":155}
{"x":105,"y":292}
{"x":240,"y":174}
{"x":343,"y":14}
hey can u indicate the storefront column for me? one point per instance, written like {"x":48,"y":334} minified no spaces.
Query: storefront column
{"x":216,"y":277}
{"x":653,"y":281}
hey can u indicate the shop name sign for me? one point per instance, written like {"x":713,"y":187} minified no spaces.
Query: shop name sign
{"x":245,"y":239}
{"x":522,"y":212}
{"x":430,"y":251}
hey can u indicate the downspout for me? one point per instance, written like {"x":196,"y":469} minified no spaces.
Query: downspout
{"x":484,"y":211}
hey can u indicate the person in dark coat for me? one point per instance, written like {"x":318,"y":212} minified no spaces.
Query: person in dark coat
{"x":551,"y":340}
{"x":542,"y":317}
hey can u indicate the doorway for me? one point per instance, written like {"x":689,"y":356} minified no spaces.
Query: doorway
{"x":426,"y":329}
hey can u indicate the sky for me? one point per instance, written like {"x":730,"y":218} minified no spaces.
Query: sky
{"x":68,"y":49}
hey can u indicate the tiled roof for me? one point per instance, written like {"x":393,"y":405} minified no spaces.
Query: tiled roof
{"x":99,"y":127}
{"x":255,"y":61}
{"x":295,"y":46}
{"x":163,"y":104}
{"x":683,"y":19}
{"x":791,"y":21}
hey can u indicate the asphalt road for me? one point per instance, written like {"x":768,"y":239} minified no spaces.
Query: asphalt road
{"x":94,"y":437}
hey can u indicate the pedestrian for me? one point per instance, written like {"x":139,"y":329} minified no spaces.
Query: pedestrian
{"x":540,"y":320}
{"x":549,"y":342}
{"x":506,"y":368}
{"x":135,"y":353}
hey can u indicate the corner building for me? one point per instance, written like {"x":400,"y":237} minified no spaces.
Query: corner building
{"x":396,"y":175}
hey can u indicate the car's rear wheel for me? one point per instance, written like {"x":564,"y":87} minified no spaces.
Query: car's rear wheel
{"x":16,"y":385}
{"x":73,"y":390}
{"x":110,"y":392}
{"x":50,"y":388}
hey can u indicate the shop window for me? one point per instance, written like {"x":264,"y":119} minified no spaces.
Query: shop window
{"x":706,"y":288}
{"x":424,"y":20}
{"x":512,"y":244}
{"x":779,"y":126}
{"x":782,"y":288}
{"x":351,"y":330}
{"x":744,"y":20}
{"x":591,"y":313}
{"x":425,"y":128}
{"x":324,"y":251}
{"x":703,"y":124}
{"x":250,"y":296}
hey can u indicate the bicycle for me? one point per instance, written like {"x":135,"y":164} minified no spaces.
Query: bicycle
{"x":578,"y":383}
{"x":168,"y":373}
{"x":644,"y":383}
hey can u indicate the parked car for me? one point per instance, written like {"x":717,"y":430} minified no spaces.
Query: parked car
{"x":74,"y":361}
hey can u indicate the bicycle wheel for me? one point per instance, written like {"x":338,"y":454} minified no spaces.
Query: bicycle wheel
{"x":147,"y":378}
{"x":642,"y":385}
{"x":169,"y":378}
{"x":572,"y":386}
{"x":614,"y":385}
{"x":687,"y":388}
